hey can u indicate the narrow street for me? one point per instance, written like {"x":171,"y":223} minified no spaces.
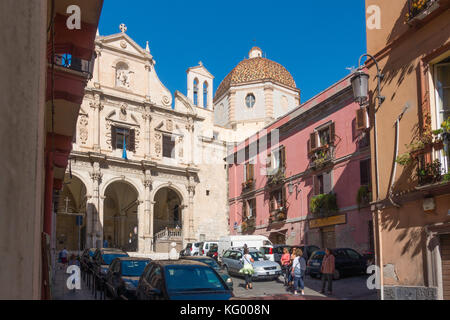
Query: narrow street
{"x":352,"y":288}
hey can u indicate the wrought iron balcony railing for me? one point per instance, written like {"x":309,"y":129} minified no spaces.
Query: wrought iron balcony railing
{"x":73,"y":63}
{"x":419,"y":9}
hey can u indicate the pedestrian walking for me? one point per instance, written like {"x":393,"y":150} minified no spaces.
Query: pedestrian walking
{"x":298,"y":272}
{"x":74,"y":261}
{"x":247,"y":270}
{"x":293,"y":256}
{"x":64,"y":255}
{"x":327,"y":269}
{"x":285,"y":263}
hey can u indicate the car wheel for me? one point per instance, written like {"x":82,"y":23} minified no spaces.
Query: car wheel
{"x":336,"y":275}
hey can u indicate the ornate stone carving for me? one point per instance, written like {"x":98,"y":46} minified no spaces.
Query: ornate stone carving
{"x":84,"y":133}
{"x":146,"y":115}
{"x":169,"y":125}
{"x":97,"y":103}
{"x":96,"y":176}
{"x":123,"y":112}
{"x":108,"y":134}
{"x":123,"y":78}
{"x":180,"y":148}
{"x":158,"y":143}
{"x":166,"y":100}
{"x":123,"y":44}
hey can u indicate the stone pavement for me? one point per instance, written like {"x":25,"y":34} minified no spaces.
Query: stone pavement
{"x":61,"y":292}
{"x":351,"y":288}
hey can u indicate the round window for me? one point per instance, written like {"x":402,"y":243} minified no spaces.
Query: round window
{"x":250,"y":100}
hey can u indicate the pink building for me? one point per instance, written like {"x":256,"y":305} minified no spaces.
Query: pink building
{"x":305,"y":178}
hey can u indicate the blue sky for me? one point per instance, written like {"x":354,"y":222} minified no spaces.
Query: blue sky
{"x":314,"y":40}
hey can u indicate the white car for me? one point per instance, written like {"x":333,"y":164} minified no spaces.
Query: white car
{"x":196,"y":248}
{"x":206,"y":246}
{"x":267,"y":250}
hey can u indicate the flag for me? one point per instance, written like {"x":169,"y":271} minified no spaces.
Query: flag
{"x":124,"y":154}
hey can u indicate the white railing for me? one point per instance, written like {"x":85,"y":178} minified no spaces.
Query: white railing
{"x":167,"y":234}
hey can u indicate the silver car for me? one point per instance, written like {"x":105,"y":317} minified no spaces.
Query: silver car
{"x":264,"y":268}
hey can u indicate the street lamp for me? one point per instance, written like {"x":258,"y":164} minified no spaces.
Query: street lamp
{"x":360,"y":83}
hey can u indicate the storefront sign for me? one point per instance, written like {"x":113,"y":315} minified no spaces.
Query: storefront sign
{"x":330,"y":221}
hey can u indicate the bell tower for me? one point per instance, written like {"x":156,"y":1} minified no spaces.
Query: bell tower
{"x":200,"y":86}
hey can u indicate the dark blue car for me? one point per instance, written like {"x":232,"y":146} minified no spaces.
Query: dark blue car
{"x":348,"y":262}
{"x":181,"y":280}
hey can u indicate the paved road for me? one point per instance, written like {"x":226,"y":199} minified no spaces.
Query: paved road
{"x":350,"y":288}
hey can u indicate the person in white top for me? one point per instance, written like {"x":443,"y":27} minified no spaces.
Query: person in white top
{"x":298,"y":271}
{"x":248,"y":268}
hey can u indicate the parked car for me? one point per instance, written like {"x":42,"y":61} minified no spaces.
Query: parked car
{"x":278,"y":251}
{"x":264,"y":268}
{"x":213,"y":264}
{"x":213,"y":252}
{"x":181,"y":280}
{"x":102,"y":260}
{"x":207,"y":245}
{"x":122,"y":277}
{"x":308,"y":250}
{"x":86,"y":259}
{"x":252,"y":241}
{"x":267,"y":250}
{"x":196,"y":247}
{"x":285,"y":296}
{"x":186,"y":251}
{"x":369,"y":255}
{"x":348,"y":262}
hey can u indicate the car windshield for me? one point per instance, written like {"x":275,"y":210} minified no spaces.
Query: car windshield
{"x":210,"y":262}
{"x":133,"y":268}
{"x":185,"y":278}
{"x":214,"y":248}
{"x":265,"y":250}
{"x":109,"y":257}
{"x":318,"y":256}
{"x":257,"y":256}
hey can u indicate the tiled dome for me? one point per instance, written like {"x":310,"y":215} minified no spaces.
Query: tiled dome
{"x":256,"y":69}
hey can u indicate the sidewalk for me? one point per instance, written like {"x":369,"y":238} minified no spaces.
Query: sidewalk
{"x":61,"y":292}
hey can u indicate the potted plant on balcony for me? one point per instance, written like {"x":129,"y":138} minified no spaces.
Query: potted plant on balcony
{"x":244,"y":226}
{"x":247,"y":184}
{"x":324,"y":204}
{"x":363,"y":196}
{"x":277,"y":178}
{"x":419,"y":9}
{"x":430,"y":173}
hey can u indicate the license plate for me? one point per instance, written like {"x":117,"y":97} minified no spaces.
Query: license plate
{"x":271,"y":273}
{"x":316,"y":264}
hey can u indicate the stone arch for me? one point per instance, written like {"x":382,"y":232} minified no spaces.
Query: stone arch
{"x":72,"y":214}
{"x":123,"y":179}
{"x":120,"y":219}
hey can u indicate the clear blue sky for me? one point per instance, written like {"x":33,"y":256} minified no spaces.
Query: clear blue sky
{"x":314,"y":40}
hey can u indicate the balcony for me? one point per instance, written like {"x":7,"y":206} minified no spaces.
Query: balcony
{"x":420,"y":9}
{"x":321,"y":157}
{"x":248,"y":224}
{"x":248,"y":185}
{"x":278,"y":215}
{"x":324,"y":205}
{"x":276,"y":178}
{"x":76,"y":64}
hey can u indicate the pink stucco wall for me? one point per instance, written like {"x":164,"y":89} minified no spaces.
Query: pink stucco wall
{"x":345,"y":174}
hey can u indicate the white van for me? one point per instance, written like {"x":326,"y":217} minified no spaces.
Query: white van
{"x":252,"y":241}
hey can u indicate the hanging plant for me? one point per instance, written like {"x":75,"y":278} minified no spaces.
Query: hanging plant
{"x":363,"y":196}
{"x":324,"y":204}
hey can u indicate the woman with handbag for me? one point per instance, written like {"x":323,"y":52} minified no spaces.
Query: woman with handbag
{"x":247,"y":270}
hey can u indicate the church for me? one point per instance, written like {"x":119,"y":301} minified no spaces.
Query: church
{"x":147,"y":166}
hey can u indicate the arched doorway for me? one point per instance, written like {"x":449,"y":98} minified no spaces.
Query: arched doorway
{"x":71,"y":215}
{"x":167,"y":210}
{"x":120,"y":219}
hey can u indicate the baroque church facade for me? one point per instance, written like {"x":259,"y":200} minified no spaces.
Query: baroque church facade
{"x":147,"y":167}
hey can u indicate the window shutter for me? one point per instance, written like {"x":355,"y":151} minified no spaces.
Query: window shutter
{"x":251,"y":171}
{"x":113,"y":137}
{"x":316,"y":186}
{"x":361,"y":123}
{"x":283,"y":158}
{"x":131,"y":143}
{"x":332,"y":132}
{"x":313,"y":144}
{"x":309,"y":146}
{"x":244,"y":209}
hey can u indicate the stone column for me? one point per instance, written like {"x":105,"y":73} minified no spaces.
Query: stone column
{"x":141,"y":227}
{"x":147,"y":119}
{"x":97,"y":105}
{"x":148,"y":213}
{"x":190,"y":214}
{"x":96,"y":207}
{"x":232,"y":106}
{"x":268,"y":98}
